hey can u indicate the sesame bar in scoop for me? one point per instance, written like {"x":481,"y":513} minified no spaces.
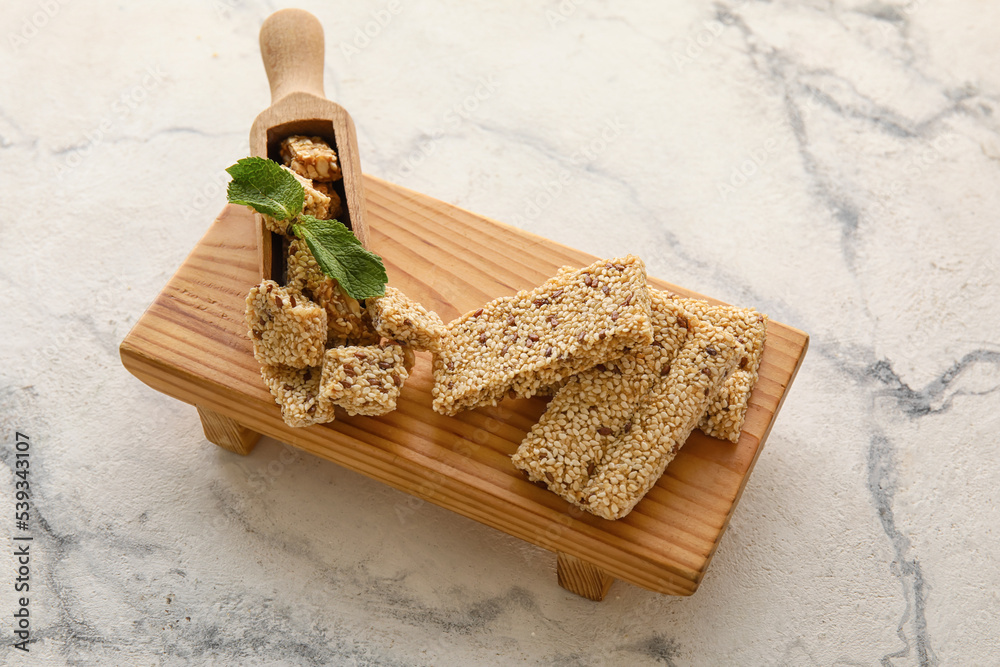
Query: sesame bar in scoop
{"x":345,"y":324}
{"x":311,"y":157}
{"x":518,"y":344}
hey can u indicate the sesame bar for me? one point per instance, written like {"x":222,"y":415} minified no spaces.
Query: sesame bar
{"x":345,"y":323}
{"x":311,"y":157}
{"x":662,"y":422}
{"x":296,"y":390}
{"x":517,"y":344}
{"x":363,"y":380}
{"x":315,"y":203}
{"x":286,"y":328}
{"x":592,"y":407}
{"x":334,"y":210}
{"x":728,"y":409}
{"x":398,"y":317}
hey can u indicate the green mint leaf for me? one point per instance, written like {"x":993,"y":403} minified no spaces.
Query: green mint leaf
{"x":341,"y":256}
{"x":265,"y":187}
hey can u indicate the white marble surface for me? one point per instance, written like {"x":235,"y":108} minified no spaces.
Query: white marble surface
{"x":866,"y":214}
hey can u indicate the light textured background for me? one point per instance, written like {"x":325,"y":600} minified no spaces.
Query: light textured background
{"x":835,"y":164}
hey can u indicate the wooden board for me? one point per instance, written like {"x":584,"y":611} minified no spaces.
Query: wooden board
{"x":192,"y":344}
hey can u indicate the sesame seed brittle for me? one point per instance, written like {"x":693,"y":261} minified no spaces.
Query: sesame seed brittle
{"x":345,"y":321}
{"x":363,"y":380}
{"x":604,"y":442}
{"x":296,"y":391}
{"x":400,"y":318}
{"x":518,"y":344}
{"x":286,"y":328}
{"x":728,"y":409}
{"x":591,"y":408}
{"x":311,"y":157}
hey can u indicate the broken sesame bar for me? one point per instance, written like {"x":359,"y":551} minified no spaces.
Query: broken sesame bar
{"x":345,"y":324}
{"x":728,"y":409}
{"x":593,"y":407}
{"x":517,"y":344}
{"x":311,"y":157}
{"x":296,"y":390}
{"x":286,"y":328}
{"x":363,"y":380}
{"x":398,"y":317}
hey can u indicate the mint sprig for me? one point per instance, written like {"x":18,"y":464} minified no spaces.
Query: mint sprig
{"x":342,"y":257}
{"x":266,"y":187}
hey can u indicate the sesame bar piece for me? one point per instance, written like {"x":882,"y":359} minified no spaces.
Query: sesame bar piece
{"x":335,"y":210}
{"x":286,"y":328}
{"x":518,"y":344}
{"x":662,"y":422}
{"x":343,"y":314}
{"x":728,"y":409}
{"x":296,"y":390}
{"x":310,"y":156}
{"x":363,"y":380}
{"x":592,"y":408}
{"x":398,"y":317}
{"x":315,"y":203}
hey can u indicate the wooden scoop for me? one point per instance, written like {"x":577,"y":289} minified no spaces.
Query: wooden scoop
{"x":291,"y":45}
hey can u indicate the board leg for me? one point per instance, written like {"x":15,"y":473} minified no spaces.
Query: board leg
{"x":580,"y":577}
{"x":227,"y":433}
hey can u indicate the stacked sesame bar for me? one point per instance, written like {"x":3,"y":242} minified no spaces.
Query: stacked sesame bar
{"x":608,"y":433}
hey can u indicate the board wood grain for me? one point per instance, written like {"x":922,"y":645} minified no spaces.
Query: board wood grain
{"x":192,"y":344}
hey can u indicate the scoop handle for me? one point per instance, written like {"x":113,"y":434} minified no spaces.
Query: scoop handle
{"x":292,"y":47}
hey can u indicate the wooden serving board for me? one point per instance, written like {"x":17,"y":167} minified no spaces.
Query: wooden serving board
{"x":192,"y":344}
